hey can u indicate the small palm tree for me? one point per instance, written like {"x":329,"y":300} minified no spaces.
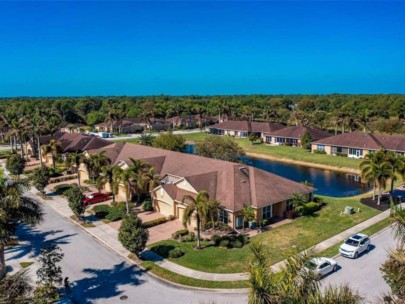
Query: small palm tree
{"x":198,"y":209}
{"x":146,"y":139}
{"x":15,"y":208}
{"x":108,"y":176}
{"x":52,"y":148}
{"x":138,"y":168}
{"x":213,"y":209}
{"x":76,"y":159}
{"x":248,"y":213}
{"x":397,"y":164}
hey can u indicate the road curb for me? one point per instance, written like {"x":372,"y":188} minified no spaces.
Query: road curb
{"x":162,"y":280}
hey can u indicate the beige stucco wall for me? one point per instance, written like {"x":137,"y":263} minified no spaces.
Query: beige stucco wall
{"x":183,"y":184}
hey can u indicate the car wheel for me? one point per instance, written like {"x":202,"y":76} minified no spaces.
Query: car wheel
{"x":356,"y":255}
{"x":368,"y":248}
{"x":334,"y":268}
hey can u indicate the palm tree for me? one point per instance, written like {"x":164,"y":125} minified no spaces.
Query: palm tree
{"x":109,"y":176}
{"x":367,"y":167}
{"x":291,"y":285}
{"x":298,"y":199}
{"x":52,"y":148}
{"x":213,"y":209}
{"x":16,"y":288}
{"x":76,"y":159}
{"x":398,"y":214}
{"x":146,"y":139}
{"x":15,"y":208}
{"x":37,"y":125}
{"x":248,"y":214}
{"x":125,"y":178}
{"x":397,"y":164}
{"x":197,"y":208}
{"x":18,"y":129}
{"x":150,"y":180}
{"x":94,"y":163}
{"x":138,"y":168}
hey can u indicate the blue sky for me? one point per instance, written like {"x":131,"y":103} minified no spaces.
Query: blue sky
{"x":178,"y":48}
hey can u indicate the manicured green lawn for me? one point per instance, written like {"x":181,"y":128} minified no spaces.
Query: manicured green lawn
{"x":303,"y":232}
{"x":293,"y":153}
{"x":183,"y":280}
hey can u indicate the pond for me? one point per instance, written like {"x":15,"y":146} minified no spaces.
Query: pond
{"x":327,"y":182}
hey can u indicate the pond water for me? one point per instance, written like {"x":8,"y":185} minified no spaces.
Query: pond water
{"x":329,"y":183}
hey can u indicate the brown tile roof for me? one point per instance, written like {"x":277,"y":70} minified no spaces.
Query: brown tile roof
{"x":298,"y":131}
{"x":366,"y":141}
{"x":247,"y":126}
{"x":72,"y":142}
{"x":232,"y":184}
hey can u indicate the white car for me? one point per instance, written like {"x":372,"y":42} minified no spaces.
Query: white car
{"x":355,"y":245}
{"x":322,"y":266}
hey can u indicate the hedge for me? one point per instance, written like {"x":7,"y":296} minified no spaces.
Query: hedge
{"x":101,"y":211}
{"x":179,"y":233}
{"x":156,"y":222}
{"x":230,"y":241}
{"x":60,"y":189}
{"x":115,"y":214}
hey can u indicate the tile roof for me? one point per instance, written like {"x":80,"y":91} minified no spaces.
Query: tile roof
{"x":298,"y":131}
{"x":72,"y":142}
{"x":247,"y":126}
{"x":365,"y":141}
{"x":232,"y":184}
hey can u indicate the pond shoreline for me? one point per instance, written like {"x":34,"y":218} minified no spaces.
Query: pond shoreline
{"x":303,"y":163}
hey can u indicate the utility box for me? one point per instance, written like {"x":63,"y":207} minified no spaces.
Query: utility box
{"x":349,"y":210}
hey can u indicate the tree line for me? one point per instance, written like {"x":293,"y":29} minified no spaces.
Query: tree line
{"x":337,"y":112}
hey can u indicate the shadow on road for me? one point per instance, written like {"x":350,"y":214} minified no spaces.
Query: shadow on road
{"x":105,"y":283}
{"x":35,"y":240}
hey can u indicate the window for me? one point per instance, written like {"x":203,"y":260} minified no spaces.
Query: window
{"x":236,"y":133}
{"x":268,"y":139}
{"x":267,"y":212}
{"x":223,"y":216}
{"x":280,"y":140}
{"x":320,"y":147}
{"x":339,"y":149}
{"x":356,"y":152}
{"x":243,"y":134}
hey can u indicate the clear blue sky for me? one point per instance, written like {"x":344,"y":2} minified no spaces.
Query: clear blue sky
{"x":177,"y":48}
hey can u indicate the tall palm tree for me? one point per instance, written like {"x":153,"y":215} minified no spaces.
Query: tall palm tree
{"x":213,"y":209}
{"x":139,"y":168}
{"x":125,"y":178}
{"x":37,"y":125}
{"x":397,"y":164}
{"x":76,"y":159}
{"x":15,"y":208}
{"x":53,"y":148}
{"x":150,"y":180}
{"x":367,"y":167}
{"x":109,"y":176}
{"x":198,"y":209}
{"x":18,"y":130}
{"x":94,"y":163}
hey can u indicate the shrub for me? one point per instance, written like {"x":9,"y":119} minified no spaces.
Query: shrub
{"x":163,"y":250}
{"x":191,"y":237}
{"x":263,"y":223}
{"x":101,"y":211}
{"x":170,"y":217}
{"x":341,"y":154}
{"x":180,"y":233}
{"x":224,"y":243}
{"x":319,"y":151}
{"x":123,"y":206}
{"x":60,"y":189}
{"x":291,"y":214}
{"x":16,"y":164}
{"x":156,"y":222}
{"x":230,"y":241}
{"x":63,"y":178}
{"x":115,"y":214}
{"x":308,"y":208}
{"x":147,"y":205}
{"x":176,"y":253}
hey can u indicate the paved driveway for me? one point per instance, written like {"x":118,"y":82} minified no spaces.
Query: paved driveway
{"x":364,"y":273}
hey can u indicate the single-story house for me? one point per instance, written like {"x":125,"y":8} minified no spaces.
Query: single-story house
{"x":232,"y":184}
{"x":68,"y":142}
{"x":191,"y":121}
{"x":242,"y":128}
{"x":359,"y":144}
{"x":73,"y":128}
{"x":133,"y":125}
{"x":292,"y":135}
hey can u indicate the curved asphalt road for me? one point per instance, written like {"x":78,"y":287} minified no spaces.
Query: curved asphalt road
{"x":99,"y":275}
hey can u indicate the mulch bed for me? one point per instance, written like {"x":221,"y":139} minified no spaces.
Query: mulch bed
{"x":385,"y":203}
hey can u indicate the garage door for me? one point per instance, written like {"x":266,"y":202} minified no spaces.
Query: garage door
{"x":165,"y":209}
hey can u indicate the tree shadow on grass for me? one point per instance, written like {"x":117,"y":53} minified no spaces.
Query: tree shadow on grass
{"x":34,"y":240}
{"x":106,"y":283}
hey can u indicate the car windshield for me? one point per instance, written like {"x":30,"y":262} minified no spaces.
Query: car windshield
{"x":91,"y":196}
{"x":311,"y":265}
{"x":352,"y":242}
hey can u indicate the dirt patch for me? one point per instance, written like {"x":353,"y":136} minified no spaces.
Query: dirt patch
{"x":384,"y":205}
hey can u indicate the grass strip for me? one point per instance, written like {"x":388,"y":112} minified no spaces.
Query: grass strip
{"x":26,"y":264}
{"x":187,"y":281}
{"x":373,"y":229}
